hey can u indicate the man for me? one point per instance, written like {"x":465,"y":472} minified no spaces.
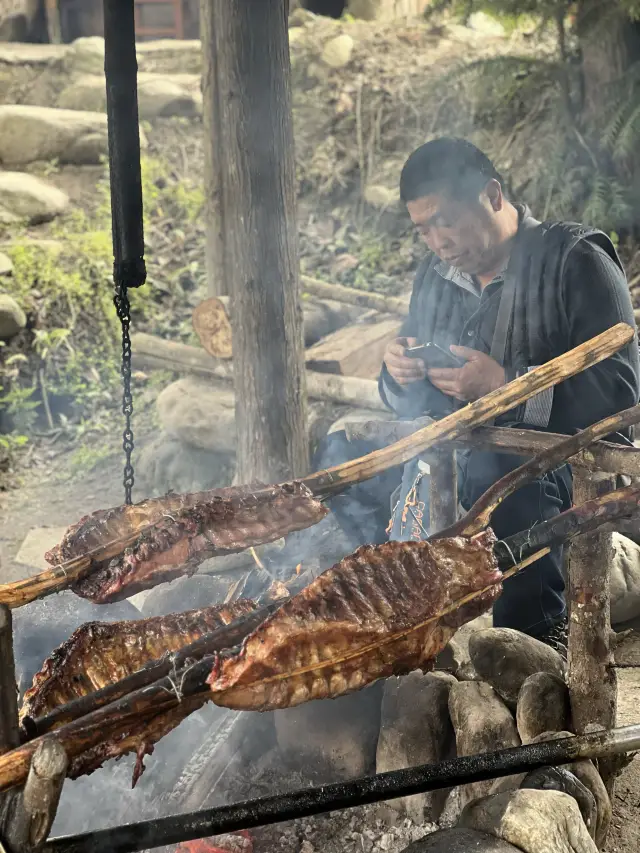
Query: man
{"x":504,"y":293}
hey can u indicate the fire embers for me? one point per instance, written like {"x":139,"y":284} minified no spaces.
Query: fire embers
{"x":230,"y":843}
{"x":384,"y":610}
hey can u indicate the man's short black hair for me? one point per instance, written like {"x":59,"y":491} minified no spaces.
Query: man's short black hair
{"x":447,"y":164}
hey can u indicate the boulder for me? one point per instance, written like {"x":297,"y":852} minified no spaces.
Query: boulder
{"x":166,"y":463}
{"x":455,"y":656}
{"x":6,"y":264}
{"x":533,"y":821}
{"x":12,"y":317}
{"x":625,"y":579}
{"x":543,"y":706}
{"x":482,"y":723}
{"x":331,"y":739}
{"x":481,"y":22}
{"x":460,"y":840}
{"x":337,"y":51}
{"x":30,"y":198}
{"x":199,"y":413}
{"x":585,"y":771}
{"x":85,"y":56}
{"x":506,"y":658}
{"x":415,"y":729}
{"x":158,"y":95}
{"x":561,"y":779}
{"x":29,"y":134}
{"x":356,"y":416}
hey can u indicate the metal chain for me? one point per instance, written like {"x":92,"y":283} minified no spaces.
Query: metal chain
{"x":121,"y":301}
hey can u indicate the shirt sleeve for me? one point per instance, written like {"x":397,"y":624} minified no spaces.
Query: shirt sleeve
{"x":595,"y":297}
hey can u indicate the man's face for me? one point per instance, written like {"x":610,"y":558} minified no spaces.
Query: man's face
{"x":462,"y":233}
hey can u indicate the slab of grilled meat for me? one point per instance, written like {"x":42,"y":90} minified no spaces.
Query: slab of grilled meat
{"x":178,"y":532}
{"x":385,"y":610}
{"x":101,"y":653}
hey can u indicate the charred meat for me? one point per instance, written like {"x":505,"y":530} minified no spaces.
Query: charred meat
{"x":178,"y":532}
{"x":101,"y":653}
{"x":385,"y":610}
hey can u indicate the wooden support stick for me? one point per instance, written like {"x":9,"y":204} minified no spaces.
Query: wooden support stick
{"x":600,"y":456}
{"x":480,"y":513}
{"x":474,"y":414}
{"x":37,"y":804}
{"x":592,"y":677}
{"x":9,"y":730}
{"x":443,"y":490}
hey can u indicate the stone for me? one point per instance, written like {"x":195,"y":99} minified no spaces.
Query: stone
{"x":199,"y":413}
{"x":331,"y":740}
{"x":506,"y":658}
{"x":6,"y":264}
{"x":415,"y":729}
{"x":460,"y":840}
{"x":625,"y":579}
{"x":585,"y":771}
{"x":85,"y":56}
{"x":166,"y":463}
{"x":533,"y":821}
{"x":30,"y":134}
{"x":337,"y":51}
{"x":455,"y":656}
{"x":543,"y":706}
{"x":357,"y":416}
{"x":482,"y":723}
{"x":31,"y":199}
{"x":481,"y":22}
{"x":561,"y":779}
{"x":36,"y":543}
{"x":158,"y":95}
{"x":12,"y":317}
{"x":380,"y":197}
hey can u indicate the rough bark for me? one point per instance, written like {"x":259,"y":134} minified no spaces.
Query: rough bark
{"x":592,"y":676}
{"x":443,"y":490}
{"x":256,"y":167}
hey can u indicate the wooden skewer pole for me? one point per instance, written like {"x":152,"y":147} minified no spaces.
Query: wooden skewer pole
{"x":480,"y":513}
{"x":340,"y":477}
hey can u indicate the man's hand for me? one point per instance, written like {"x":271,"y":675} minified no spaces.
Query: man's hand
{"x":404,"y":370}
{"x":480,"y":375}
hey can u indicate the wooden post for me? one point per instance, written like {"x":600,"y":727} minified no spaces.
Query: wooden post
{"x":217,"y":284}
{"x":592,"y":677}
{"x":443,"y":490}
{"x":247,"y":62}
{"x":9,"y":730}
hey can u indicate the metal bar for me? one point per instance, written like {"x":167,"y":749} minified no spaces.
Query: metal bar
{"x":370,"y":789}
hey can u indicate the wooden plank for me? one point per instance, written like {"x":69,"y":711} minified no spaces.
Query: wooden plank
{"x":443,"y":490}
{"x":355,"y":350}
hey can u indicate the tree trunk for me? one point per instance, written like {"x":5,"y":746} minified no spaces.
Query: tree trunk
{"x":247,"y":61}
{"x":610,"y":43}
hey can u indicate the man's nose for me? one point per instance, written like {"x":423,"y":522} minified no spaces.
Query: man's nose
{"x":437,"y":240}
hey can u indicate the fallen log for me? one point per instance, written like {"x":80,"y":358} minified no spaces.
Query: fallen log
{"x":351,"y":296}
{"x":151,"y":352}
{"x":600,"y":456}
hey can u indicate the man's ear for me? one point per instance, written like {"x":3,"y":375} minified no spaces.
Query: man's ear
{"x":493,"y":191}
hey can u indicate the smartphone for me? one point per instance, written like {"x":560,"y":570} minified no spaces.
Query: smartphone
{"x":434,"y":356}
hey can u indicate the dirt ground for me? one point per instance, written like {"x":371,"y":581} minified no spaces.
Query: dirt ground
{"x":57,"y":500}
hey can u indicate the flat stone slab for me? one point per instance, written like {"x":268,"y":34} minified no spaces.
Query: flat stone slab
{"x":35,"y":545}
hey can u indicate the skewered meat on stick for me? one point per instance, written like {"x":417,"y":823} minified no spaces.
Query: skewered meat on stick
{"x":181,"y":531}
{"x":375,"y":614}
{"x":100,"y":653}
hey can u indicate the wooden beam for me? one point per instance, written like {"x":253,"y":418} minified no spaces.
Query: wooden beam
{"x":443,"y":490}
